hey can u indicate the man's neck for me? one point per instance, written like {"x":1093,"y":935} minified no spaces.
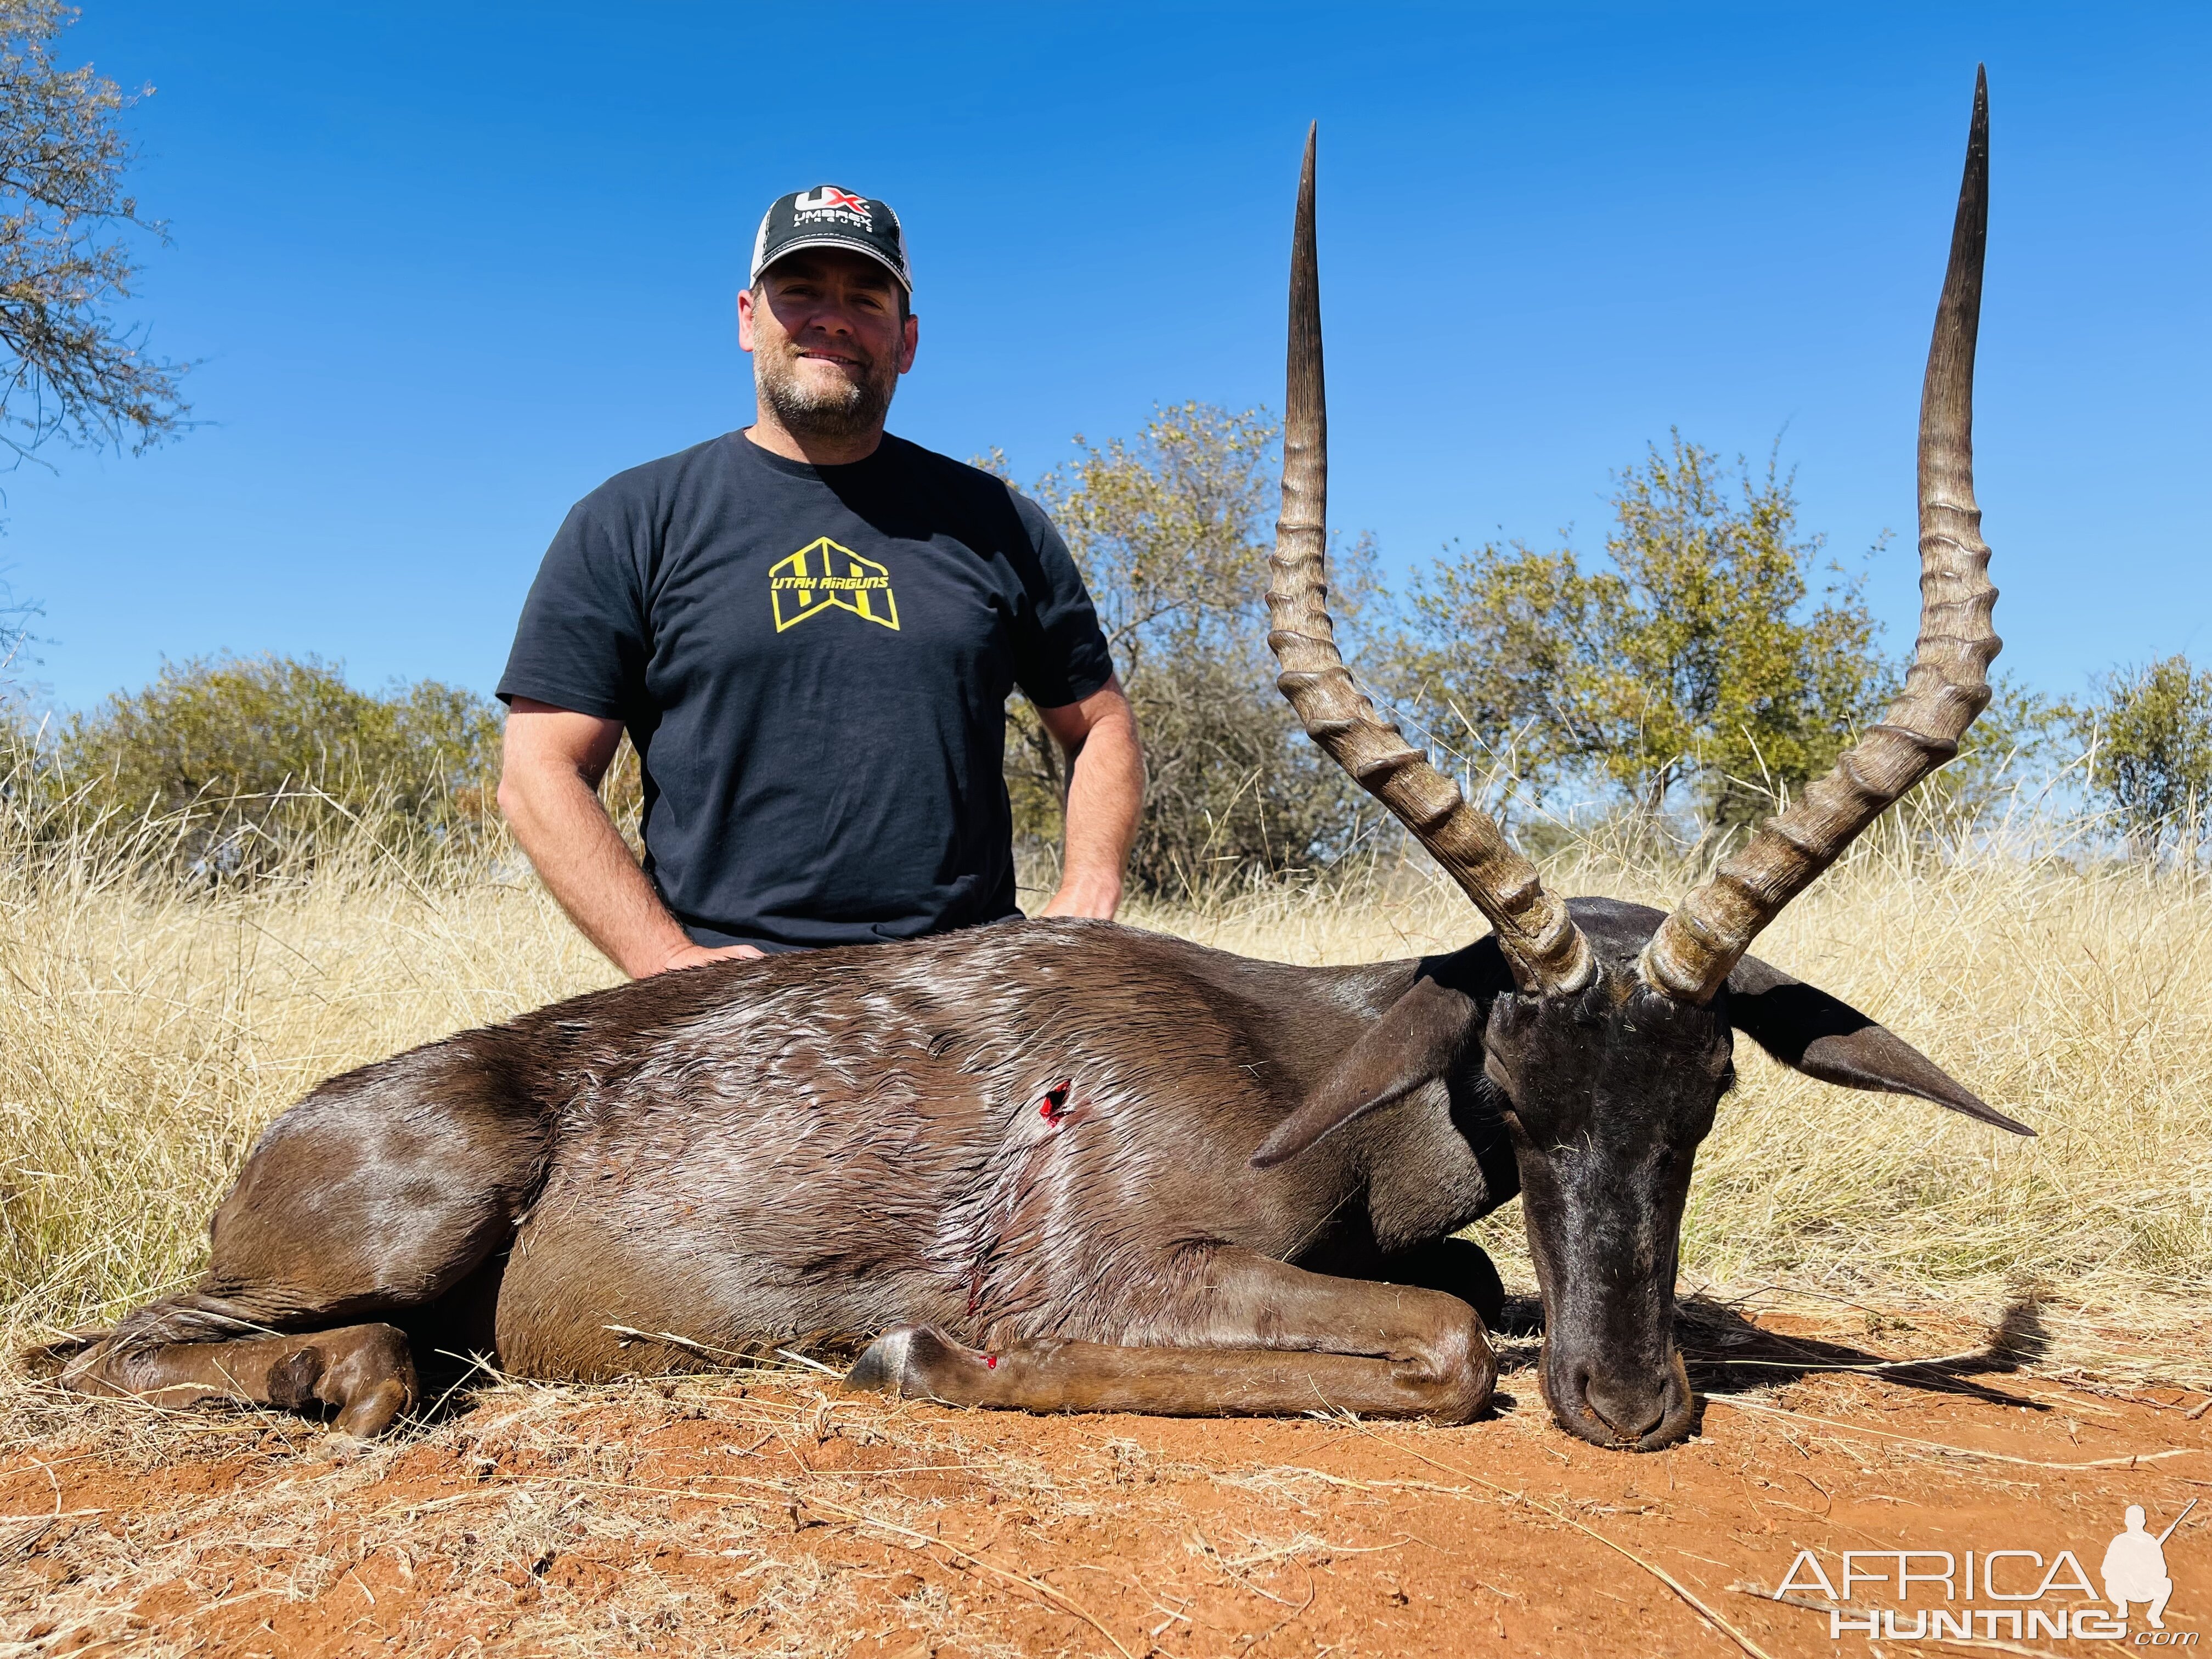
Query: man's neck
{"x":775,"y":437}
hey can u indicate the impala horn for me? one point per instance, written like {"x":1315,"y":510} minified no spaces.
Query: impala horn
{"x":1948,"y":685}
{"x":1545,"y":949}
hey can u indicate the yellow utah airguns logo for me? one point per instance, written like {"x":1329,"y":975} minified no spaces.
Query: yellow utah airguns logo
{"x":823,"y":575}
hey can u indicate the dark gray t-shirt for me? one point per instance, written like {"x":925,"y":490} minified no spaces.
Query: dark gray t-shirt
{"x":814,"y":664}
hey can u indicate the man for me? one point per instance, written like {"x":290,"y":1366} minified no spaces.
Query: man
{"x":810,"y":629}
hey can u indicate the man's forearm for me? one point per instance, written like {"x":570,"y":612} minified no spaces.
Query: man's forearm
{"x":582,"y":858}
{"x":1105,"y":794}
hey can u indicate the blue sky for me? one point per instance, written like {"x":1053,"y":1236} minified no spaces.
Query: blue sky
{"x":446,"y":268}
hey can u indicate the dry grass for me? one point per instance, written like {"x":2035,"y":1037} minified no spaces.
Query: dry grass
{"x":469,"y":1512}
{"x":147,"y":1034}
{"x":758,"y":1513}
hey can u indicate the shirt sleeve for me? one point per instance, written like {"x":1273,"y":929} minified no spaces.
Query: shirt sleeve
{"x":1060,"y":654}
{"x":582,"y":641}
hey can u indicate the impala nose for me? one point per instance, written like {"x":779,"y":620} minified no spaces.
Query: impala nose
{"x":1632,"y":1408}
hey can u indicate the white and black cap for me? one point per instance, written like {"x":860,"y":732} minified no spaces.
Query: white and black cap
{"x":830,"y":216}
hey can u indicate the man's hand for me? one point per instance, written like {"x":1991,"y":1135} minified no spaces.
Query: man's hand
{"x":548,"y":787}
{"x":1105,"y":794}
{"x":1089,"y":897}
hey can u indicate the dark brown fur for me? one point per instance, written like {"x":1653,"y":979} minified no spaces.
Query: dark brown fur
{"x":757,"y":1153}
{"x":860,"y":1141}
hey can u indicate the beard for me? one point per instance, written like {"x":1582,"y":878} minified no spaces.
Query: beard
{"x":831,"y":408}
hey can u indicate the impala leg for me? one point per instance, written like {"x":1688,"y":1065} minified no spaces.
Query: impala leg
{"x":1260,"y":1339}
{"x":365,"y":1372}
{"x":370,"y":1200}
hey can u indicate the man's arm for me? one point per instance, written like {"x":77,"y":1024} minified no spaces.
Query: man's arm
{"x":549,"y":788}
{"x":1105,"y":794}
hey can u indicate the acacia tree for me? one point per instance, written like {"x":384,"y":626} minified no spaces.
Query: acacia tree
{"x":14,"y":628}
{"x":2148,"y":733}
{"x":260,"y":759}
{"x":69,"y":253}
{"x":69,"y":367}
{"x":1171,"y":530}
{"x":1691,"y":654}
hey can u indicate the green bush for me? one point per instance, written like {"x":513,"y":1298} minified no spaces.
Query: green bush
{"x":1172,"y":530}
{"x":2148,"y":733}
{"x":253,"y":760}
{"x":1695,"y":654}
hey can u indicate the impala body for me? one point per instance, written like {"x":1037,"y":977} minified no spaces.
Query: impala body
{"x":1065,"y":1165}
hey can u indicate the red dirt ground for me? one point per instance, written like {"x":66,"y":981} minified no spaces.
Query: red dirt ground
{"x":759,"y":1514}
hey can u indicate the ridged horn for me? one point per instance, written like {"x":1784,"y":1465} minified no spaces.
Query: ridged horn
{"x":1546,"y":950}
{"x":1948,"y":685}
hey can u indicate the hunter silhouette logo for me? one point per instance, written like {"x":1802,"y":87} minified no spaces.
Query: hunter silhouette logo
{"x":2135,"y":1566}
{"x":823,"y":575}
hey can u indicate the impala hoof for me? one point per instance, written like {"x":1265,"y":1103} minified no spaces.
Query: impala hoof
{"x":900,"y":1362}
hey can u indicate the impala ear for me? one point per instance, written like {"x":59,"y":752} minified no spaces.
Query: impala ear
{"x":1824,"y":1036}
{"x":1414,"y":1042}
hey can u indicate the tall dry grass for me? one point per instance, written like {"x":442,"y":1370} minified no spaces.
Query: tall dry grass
{"x":150,"y":1027}
{"x":148,"y":1031}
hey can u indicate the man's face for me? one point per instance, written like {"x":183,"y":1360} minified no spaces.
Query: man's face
{"x":828,"y":339}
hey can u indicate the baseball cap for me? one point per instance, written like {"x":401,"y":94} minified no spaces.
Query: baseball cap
{"x":830,"y":216}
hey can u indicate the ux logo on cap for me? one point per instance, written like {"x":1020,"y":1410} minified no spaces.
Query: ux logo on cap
{"x":828,"y":202}
{"x":830,"y":216}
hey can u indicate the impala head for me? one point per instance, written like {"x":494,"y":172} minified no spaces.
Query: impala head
{"x":1604,"y":1033}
